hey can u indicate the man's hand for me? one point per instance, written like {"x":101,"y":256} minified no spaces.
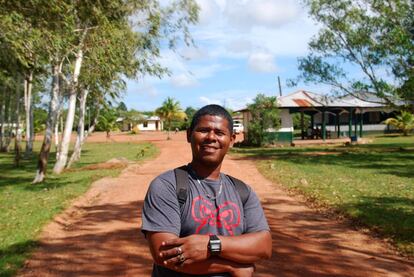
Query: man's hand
{"x":187,"y":250}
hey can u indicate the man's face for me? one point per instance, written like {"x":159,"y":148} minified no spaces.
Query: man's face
{"x":210,"y":140}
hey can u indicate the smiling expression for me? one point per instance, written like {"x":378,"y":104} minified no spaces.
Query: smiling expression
{"x":210,"y":140}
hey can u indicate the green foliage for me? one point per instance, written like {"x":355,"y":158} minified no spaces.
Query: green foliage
{"x":403,"y":122}
{"x":371,"y":183}
{"x":40,"y":117}
{"x":170,"y":111}
{"x":107,"y":120}
{"x":26,"y":208}
{"x":265,"y":115}
{"x":297,"y":122}
{"x":373,"y":36}
{"x":189,"y":112}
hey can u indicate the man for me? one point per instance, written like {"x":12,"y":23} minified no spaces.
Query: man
{"x":212,"y":232}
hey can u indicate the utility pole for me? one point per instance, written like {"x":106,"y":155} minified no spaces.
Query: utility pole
{"x":280,"y":87}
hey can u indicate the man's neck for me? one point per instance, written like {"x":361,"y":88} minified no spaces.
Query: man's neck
{"x":206,"y":171}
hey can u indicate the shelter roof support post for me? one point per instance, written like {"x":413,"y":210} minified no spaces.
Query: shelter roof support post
{"x":312,"y":121}
{"x":361,"y":123}
{"x":350,"y":123}
{"x":338,"y":124}
{"x":323,"y":125}
{"x":356,"y":123}
{"x":302,"y":124}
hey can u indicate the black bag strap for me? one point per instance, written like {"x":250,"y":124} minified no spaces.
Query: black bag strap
{"x":181,"y":178}
{"x":182,"y":182}
{"x":241,"y":188}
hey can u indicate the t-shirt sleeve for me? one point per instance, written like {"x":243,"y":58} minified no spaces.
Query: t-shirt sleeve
{"x":254,"y":218}
{"x":161,"y":211}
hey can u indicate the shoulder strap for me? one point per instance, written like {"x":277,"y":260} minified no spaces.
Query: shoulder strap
{"x":182,"y":182}
{"x":181,"y":178}
{"x":241,"y":188}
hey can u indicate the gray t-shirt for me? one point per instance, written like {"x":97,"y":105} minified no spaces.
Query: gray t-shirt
{"x":201,"y":213}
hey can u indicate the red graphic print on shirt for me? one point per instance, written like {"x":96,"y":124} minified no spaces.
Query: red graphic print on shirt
{"x":226,"y":216}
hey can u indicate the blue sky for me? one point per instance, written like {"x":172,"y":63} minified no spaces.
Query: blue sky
{"x":240,"y":49}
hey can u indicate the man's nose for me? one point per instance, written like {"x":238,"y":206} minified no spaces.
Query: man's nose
{"x":211,"y":135}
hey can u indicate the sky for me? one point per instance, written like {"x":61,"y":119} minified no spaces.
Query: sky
{"x":241,"y":47}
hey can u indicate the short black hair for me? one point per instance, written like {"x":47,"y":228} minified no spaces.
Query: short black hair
{"x":212,"y":109}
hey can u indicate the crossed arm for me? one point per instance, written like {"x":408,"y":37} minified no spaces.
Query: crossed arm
{"x":238,"y":254}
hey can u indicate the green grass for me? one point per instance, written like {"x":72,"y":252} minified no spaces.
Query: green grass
{"x":373,"y":184}
{"x":25,"y":208}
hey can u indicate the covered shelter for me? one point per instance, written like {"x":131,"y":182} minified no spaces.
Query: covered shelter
{"x":330,"y":117}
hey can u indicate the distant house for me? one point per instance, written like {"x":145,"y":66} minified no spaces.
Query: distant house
{"x":150,"y":123}
{"x":147,"y":123}
{"x":330,"y":117}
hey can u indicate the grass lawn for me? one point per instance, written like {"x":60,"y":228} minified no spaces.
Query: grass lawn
{"x":25,"y":208}
{"x":372,"y":184}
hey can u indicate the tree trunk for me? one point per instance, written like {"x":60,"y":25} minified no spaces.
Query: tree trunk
{"x":28,"y":105}
{"x":56,"y":128}
{"x":18,"y":135}
{"x":8,"y":131}
{"x":2,"y":115}
{"x":50,"y":123}
{"x":64,"y":149}
{"x":81,"y":129}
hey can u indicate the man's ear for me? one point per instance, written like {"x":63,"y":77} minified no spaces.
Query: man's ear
{"x":232,"y":139}
{"x":188,"y":135}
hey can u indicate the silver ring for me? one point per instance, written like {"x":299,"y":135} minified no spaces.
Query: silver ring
{"x":181,"y":258}
{"x":179,"y":251}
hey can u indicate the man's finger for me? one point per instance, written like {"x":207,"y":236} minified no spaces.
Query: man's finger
{"x":177,"y":260}
{"x":171,"y":252}
{"x":173,"y":242}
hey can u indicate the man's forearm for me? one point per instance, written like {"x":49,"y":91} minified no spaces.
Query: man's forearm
{"x":213,"y":265}
{"x":246,"y":248}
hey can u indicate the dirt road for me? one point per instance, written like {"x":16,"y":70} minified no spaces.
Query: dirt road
{"x":100,"y":236}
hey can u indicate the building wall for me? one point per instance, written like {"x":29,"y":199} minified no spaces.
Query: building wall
{"x":150,"y":125}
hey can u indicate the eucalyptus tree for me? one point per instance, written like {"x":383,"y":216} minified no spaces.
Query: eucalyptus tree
{"x":24,"y":44}
{"x":374,"y":37}
{"x":155,"y":22}
{"x":170,"y":110}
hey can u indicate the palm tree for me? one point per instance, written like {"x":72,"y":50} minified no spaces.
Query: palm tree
{"x":403,"y":122}
{"x":169,"y":111}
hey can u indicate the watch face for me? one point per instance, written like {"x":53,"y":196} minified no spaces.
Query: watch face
{"x":214,"y":245}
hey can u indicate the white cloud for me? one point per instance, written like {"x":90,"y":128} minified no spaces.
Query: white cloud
{"x":240,"y":45}
{"x":194,"y":53}
{"x":205,"y":100}
{"x":183,"y":81}
{"x":266,"y":13}
{"x":208,"y":11}
{"x":142,"y":88}
{"x":262,"y":62}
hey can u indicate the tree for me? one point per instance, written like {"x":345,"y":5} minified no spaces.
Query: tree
{"x":375,"y":37}
{"x":169,"y":111}
{"x":189,"y":111}
{"x":107,"y":121}
{"x":403,"y":122}
{"x":265,"y":115}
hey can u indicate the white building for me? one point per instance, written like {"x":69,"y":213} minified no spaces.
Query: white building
{"x":150,"y":123}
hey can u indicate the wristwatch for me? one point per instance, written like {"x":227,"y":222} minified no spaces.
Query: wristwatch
{"x":214,"y":245}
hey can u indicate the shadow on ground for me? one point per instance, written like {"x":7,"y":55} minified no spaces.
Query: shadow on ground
{"x":307,"y":244}
{"x":94,"y":252}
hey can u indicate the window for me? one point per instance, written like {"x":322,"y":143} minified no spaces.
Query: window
{"x":145,"y":124}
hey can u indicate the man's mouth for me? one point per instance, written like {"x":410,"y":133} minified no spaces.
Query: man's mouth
{"x":208,"y":148}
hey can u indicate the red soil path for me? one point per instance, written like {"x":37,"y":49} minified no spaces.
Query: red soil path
{"x":99,"y":234}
